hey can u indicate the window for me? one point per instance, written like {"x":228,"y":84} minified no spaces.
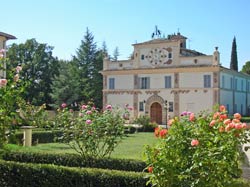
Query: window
{"x":235,"y":108}
{"x":231,"y":83}
{"x":223,"y":81}
{"x":235,"y":84}
{"x":207,"y":81}
{"x":241,"y":108}
{"x":111,"y":83}
{"x":144,"y":83}
{"x":171,"y":106}
{"x":168,"y":82}
{"x":142,"y":57}
{"x":242,"y":85}
{"x":228,"y":109}
{"x":141,"y":106}
{"x":169,"y":55}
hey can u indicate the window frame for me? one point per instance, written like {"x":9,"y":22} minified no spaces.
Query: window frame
{"x":207,"y":81}
{"x":168,"y":81}
{"x":111,"y":83}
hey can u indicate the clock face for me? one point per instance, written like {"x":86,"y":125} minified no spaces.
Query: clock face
{"x":157,"y":56}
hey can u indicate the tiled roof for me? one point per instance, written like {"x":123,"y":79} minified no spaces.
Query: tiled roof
{"x":8,"y":36}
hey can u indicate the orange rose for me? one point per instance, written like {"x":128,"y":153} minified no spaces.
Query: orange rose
{"x":237,"y":116}
{"x":150,"y":169}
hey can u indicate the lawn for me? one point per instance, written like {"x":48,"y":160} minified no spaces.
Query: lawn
{"x":131,"y":147}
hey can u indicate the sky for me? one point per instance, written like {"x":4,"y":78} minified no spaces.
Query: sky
{"x":121,"y":23}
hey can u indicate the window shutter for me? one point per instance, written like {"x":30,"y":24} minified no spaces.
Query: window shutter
{"x":148,"y":82}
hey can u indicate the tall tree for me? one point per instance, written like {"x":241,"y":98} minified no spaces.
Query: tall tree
{"x":246,"y":68}
{"x":104,"y":49}
{"x":234,"y":59}
{"x":89,"y":61}
{"x":66,"y":86}
{"x":38,"y":67}
{"x":116,"y":54}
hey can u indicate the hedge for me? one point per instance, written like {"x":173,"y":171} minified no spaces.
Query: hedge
{"x":37,"y":137}
{"x":14,"y":174}
{"x":74,"y":160}
{"x":47,"y":136}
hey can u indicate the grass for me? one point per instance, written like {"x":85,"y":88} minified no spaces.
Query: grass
{"x":131,"y":147}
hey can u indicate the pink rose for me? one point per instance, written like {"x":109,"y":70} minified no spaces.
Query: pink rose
{"x":84,"y":107}
{"x":212,"y":123}
{"x":64,"y":105}
{"x":236,"y":121}
{"x":89,"y":112}
{"x":227,"y":128}
{"x":3,"y":82}
{"x":227,"y":121}
{"x":192,"y":117}
{"x":238,"y":126}
{"x":18,"y":69}
{"x":194,"y":142}
{"x":88,"y":121}
{"x":170,"y":122}
{"x":237,"y":116}
{"x":222,"y":108}
{"x":130,"y":108}
{"x":109,"y":107}
{"x":244,"y":125}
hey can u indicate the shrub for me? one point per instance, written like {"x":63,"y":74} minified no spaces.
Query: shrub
{"x":129,"y":130}
{"x":11,"y":89}
{"x":36,"y":175}
{"x":144,"y":121}
{"x":37,"y":137}
{"x":91,"y":133}
{"x":74,"y":160}
{"x":200,"y":150}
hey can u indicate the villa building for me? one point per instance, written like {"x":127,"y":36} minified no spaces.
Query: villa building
{"x":163,"y":78}
{"x":3,"y":39}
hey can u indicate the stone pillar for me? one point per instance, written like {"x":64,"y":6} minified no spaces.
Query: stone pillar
{"x":27,"y":135}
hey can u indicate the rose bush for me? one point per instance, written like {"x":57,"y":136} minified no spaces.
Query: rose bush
{"x":197,"y":150}
{"x":89,"y":132}
{"x":11,"y":89}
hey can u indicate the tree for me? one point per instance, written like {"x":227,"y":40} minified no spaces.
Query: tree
{"x":246,"y":68}
{"x":89,"y":61}
{"x":38,"y":67}
{"x":116,"y":54}
{"x":66,"y":86}
{"x":234,"y":59}
{"x":105,"y":49}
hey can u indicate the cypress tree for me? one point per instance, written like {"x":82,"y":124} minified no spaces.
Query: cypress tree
{"x":234,"y":59}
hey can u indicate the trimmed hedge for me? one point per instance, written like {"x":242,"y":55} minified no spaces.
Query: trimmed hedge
{"x":245,"y":119}
{"x":35,"y":175}
{"x":74,"y":160}
{"x":37,"y":137}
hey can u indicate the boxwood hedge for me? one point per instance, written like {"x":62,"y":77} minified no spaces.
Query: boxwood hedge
{"x":36,"y":175}
{"x":74,"y":160}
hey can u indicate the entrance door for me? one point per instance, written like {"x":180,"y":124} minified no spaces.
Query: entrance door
{"x":156,"y":113}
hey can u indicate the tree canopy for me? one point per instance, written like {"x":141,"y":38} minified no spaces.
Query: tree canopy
{"x":246,"y":68}
{"x":79,"y":80}
{"x":39,"y":68}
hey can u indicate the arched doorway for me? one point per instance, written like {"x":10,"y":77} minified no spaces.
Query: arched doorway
{"x":156,"y":113}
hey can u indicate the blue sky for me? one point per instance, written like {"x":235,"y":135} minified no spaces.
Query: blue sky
{"x":63,"y":23}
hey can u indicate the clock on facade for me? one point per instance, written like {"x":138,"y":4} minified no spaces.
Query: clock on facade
{"x":158,"y":56}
